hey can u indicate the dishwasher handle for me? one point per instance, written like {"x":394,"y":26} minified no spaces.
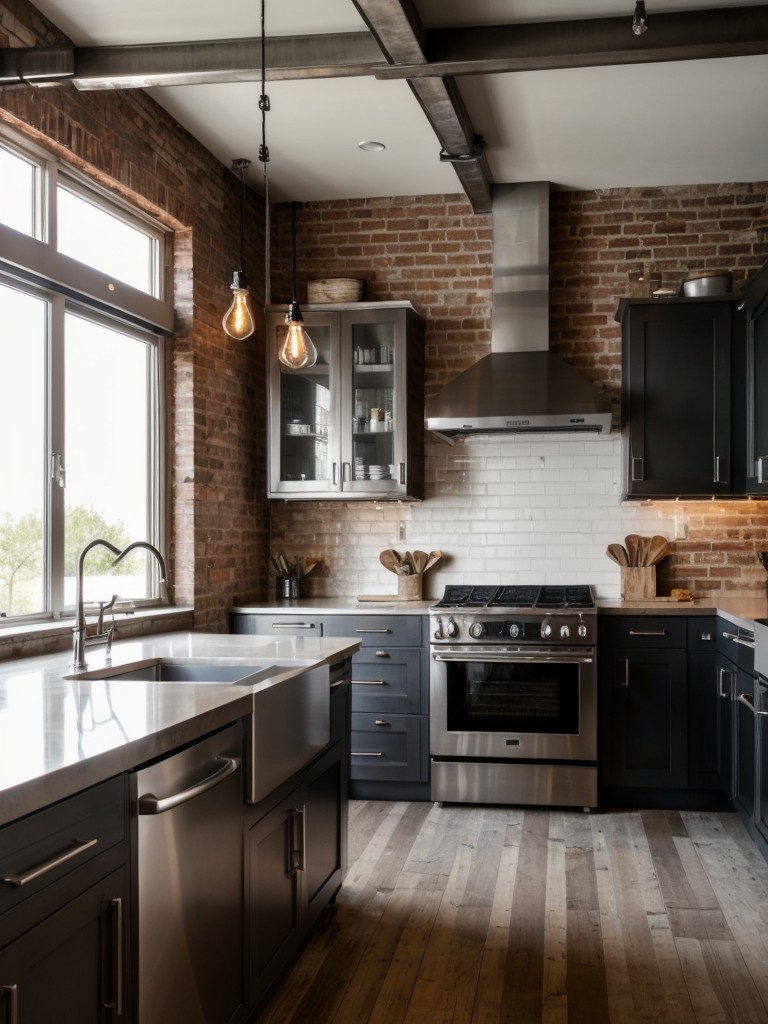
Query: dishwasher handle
{"x":151,"y":804}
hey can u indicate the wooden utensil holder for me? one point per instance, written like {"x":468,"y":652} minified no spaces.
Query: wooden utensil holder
{"x":409,"y":587}
{"x":638,"y":582}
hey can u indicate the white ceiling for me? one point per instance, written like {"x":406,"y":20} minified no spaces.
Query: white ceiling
{"x":655,"y":124}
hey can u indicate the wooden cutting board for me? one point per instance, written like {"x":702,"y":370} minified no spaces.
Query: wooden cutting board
{"x":378,"y":597}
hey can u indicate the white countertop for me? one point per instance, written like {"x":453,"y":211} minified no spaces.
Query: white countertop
{"x":339,"y":606}
{"x":60,"y":735}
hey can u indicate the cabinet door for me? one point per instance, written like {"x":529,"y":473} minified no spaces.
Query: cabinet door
{"x":726,"y":685}
{"x":273,"y":911}
{"x":373,"y":401}
{"x":321,"y":799}
{"x":304,"y":412}
{"x":676,"y":397}
{"x":703,"y":729}
{"x":645,"y":721}
{"x":744,"y":743}
{"x":71,"y":968}
{"x":761,"y":814}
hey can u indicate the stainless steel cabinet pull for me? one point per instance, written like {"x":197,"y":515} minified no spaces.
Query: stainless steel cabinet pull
{"x":345,"y":468}
{"x":746,"y":698}
{"x":626,"y":673}
{"x":383,"y":722}
{"x":340,"y":682}
{"x":371,"y":630}
{"x":293,"y":625}
{"x":13,"y":1002}
{"x":723,"y":672}
{"x":637,"y":469}
{"x":335,"y":473}
{"x":383,"y":654}
{"x":151,"y":804}
{"x":402,"y":472}
{"x":116,"y":1006}
{"x":81,"y":845}
{"x":368,"y":682}
{"x":367,"y":753}
{"x":298,"y":839}
{"x":762,"y":469}
{"x":647,"y":632}
{"x":716,"y":478}
{"x":745,"y":642}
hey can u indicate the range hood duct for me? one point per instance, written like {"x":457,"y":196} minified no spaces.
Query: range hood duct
{"x":521,"y":387}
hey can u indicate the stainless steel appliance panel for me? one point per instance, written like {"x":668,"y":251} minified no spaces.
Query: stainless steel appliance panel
{"x":190,"y":884}
{"x":505,"y":783}
{"x":511,"y":736}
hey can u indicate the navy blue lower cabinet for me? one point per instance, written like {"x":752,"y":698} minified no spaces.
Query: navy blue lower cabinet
{"x":644,"y":718}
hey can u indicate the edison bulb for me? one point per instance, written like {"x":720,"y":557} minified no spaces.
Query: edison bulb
{"x":238,"y":321}
{"x":297,"y":351}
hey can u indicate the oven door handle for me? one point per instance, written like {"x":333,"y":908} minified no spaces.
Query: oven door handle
{"x":498,"y":656}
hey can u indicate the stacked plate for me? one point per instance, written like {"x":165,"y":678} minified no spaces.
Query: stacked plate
{"x":378,"y":472}
{"x":361,"y":470}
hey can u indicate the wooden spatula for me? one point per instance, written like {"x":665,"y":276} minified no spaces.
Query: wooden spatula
{"x":618,"y":553}
{"x":632,"y":541}
{"x":658,"y":549}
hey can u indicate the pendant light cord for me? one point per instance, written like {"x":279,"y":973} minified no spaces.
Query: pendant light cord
{"x":264,"y":158}
{"x":293,"y":253}
{"x":242,"y":216}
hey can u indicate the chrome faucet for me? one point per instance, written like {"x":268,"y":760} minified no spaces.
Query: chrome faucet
{"x":80,"y":633}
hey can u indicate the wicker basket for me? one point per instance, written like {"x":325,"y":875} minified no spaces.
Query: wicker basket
{"x":335,"y":289}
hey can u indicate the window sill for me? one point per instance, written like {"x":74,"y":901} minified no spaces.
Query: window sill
{"x":46,"y":637}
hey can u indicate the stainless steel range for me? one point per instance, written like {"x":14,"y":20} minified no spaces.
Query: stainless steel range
{"x":513,"y":695}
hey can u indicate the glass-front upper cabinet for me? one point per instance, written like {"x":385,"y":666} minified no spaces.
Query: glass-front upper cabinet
{"x":352,"y":425}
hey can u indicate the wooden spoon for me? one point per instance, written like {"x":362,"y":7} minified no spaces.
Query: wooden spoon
{"x":434,"y":558}
{"x":658,"y":549}
{"x":391,"y":560}
{"x":618,"y":554}
{"x":632,"y":542}
{"x":419,"y":559}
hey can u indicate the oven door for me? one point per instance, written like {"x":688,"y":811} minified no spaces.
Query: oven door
{"x":539,"y":705}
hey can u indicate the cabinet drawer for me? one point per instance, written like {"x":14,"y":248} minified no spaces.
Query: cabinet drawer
{"x":44,"y":847}
{"x":643,"y":631}
{"x":387,"y":680}
{"x":389,"y":747}
{"x":376,"y":630}
{"x":297,"y":623}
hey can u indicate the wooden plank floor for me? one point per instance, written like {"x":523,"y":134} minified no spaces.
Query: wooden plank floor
{"x":477,"y":915}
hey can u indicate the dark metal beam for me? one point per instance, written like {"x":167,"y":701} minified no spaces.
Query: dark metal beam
{"x":396,"y":26}
{"x":226,"y":60}
{"x":493,"y":49}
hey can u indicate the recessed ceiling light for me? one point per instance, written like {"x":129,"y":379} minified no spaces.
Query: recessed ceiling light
{"x":372,"y":147}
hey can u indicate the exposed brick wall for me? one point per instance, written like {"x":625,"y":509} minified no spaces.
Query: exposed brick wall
{"x":434,"y":251}
{"x":218,"y":516}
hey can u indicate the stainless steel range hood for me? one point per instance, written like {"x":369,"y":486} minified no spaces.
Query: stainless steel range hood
{"x":521,"y":387}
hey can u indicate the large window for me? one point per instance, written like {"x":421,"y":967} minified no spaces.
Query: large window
{"x":80,"y":393}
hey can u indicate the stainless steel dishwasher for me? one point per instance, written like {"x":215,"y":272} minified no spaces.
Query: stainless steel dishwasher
{"x":189,"y":814}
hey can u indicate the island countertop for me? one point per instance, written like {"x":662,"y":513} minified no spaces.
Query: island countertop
{"x":60,"y":735}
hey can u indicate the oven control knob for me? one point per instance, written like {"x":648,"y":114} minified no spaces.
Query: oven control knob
{"x":476,"y":630}
{"x":582,"y":630}
{"x":546,"y":629}
{"x":514,"y":631}
{"x":565,"y":632}
{"x":451,"y":630}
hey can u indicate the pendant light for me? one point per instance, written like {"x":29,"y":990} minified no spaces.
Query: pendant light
{"x":297,"y":351}
{"x":238,"y":321}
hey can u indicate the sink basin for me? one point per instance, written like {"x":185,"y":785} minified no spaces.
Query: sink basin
{"x":164,"y":670}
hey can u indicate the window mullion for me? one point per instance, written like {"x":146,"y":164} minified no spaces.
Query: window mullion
{"x":55,"y":388}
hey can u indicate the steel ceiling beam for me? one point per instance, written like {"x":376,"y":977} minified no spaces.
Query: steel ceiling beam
{"x":591,"y":42}
{"x":397,"y":28}
{"x":198,"y":63}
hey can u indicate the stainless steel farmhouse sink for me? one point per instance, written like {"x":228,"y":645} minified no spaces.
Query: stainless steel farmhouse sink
{"x":163,"y":670}
{"x":289,"y":721}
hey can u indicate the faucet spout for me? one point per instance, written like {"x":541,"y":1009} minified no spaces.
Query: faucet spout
{"x":80,"y":638}
{"x":79,"y":631}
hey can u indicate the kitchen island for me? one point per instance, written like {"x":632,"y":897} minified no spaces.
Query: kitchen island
{"x":173,"y":821}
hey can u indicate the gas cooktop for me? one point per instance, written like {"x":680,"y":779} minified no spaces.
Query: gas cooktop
{"x":545,"y":598}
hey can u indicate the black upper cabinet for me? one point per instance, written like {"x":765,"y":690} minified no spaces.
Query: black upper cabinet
{"x":676,"y":397}
{"x":751,"y":366}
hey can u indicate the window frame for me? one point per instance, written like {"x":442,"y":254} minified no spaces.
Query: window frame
{"x":33,"y":265}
